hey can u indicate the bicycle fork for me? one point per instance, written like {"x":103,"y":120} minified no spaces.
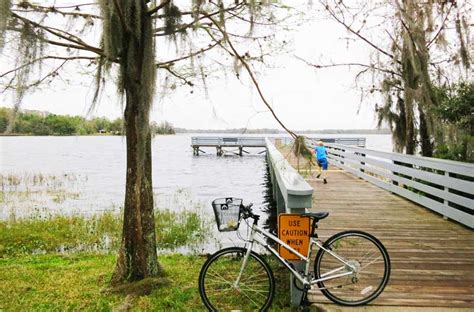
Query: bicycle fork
{"x":244,"y":264}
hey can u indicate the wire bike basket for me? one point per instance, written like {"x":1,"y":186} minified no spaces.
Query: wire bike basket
{"x":227,"y":213}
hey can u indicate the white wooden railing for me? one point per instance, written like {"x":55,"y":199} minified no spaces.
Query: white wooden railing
{"x":292,"y":195}
{"x":312,"y":141}
{"x":290,"y":190}
{"x":228,"y":141}
{"x":260,"y":141}
{"x":444,"y":186}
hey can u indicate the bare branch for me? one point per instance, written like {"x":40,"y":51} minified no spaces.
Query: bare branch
{"x":171,"y":62}
{"x":343,"y":23}
{"x":75,"y":6}
{"x":79,"y":44}
{"x":350,"y":64}
{"x":252,"y":76}
{"x":172,"y":72}
{"x":52,"y":73}
{"x":37,"y":9}
{"x":49,"y":57}
{"x":443,"y":24}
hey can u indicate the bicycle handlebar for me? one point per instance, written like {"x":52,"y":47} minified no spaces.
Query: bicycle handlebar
{"x":247,"y":212}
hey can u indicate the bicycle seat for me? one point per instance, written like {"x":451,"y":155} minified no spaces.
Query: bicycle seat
{"x":316,"y":215}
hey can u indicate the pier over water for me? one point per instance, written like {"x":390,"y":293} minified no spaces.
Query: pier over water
{"x":420,"y":208}
{"x":238,"y":145}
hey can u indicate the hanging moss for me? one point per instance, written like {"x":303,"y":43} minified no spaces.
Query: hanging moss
{"x":135,"y":28}
{"x":30,"y":47}
{"x":463,"y":50}
{"x":5,"y":6}
{"x":300,"y":149}
{"x":172,"y":18}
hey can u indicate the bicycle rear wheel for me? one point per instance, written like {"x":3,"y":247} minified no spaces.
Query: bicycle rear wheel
{"x":218,"y":276}
{"x":367,"y":260}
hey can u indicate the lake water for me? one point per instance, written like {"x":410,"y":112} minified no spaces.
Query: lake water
{"x":86,"y":175}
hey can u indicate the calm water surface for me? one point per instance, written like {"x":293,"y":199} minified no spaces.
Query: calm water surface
{"x":89,"y":173}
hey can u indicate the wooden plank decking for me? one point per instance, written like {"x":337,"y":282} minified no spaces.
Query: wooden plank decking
{"x":432,"y":258}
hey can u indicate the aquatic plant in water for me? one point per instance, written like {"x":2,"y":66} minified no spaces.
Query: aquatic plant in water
{"x":62,"y":234}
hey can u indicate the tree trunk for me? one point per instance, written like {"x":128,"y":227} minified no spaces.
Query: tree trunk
{"x":425,"y":138}
{"x":137,"y":257}
{"x":410,"y":146}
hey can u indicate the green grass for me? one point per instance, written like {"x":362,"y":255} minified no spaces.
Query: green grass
{"x":77,"y":282}
{"x":100,"y":232}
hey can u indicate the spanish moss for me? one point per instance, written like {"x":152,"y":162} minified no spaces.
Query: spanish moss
{"x":5,"y":6}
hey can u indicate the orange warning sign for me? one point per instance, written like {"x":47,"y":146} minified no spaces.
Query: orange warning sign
{"x":294,"y":230}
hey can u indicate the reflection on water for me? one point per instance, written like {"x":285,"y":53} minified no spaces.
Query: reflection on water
{"x":270,"y":206}
{"x":100,"y":163}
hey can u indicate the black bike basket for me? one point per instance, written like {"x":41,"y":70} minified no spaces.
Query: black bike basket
{"x":227,"y":213}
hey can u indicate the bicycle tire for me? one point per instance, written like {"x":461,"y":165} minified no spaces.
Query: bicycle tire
{"x":218,"y":274}
{"x":364,"y":252}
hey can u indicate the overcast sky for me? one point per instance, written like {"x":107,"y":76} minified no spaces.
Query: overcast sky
{"x":302,"y":97}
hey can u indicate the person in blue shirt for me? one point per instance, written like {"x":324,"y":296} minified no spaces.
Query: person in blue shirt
{"x":321,"y":154}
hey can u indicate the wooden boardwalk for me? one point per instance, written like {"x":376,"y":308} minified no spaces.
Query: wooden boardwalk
{"x":432,"y":258}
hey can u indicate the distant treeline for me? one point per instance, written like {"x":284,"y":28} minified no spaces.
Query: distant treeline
{"x":43,"y":123}
{"x":276,"y":131}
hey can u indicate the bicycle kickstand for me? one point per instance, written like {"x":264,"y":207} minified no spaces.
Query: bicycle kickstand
{"x":305,"y":304}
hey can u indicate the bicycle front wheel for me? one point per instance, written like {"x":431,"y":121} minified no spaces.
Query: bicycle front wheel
{"x":361,"y":277}
{"x":218,"y":285}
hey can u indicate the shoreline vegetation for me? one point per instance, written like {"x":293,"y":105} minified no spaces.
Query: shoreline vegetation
{"x":64,"y":262}
{"x":41,"y":123}
{"x":36,"y":123}
{"x":63,"y":234}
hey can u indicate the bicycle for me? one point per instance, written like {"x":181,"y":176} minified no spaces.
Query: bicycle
{"x":350,"y":268}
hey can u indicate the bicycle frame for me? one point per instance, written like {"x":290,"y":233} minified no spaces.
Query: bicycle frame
{"x":255,"y":236}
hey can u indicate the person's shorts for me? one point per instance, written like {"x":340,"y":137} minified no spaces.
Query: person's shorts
{"x":323,"y":163}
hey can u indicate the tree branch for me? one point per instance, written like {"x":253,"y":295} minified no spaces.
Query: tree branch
{"x":335,"y":17}
{"x":171,"y":62}
{"x":252,"y":76}
{"x":159,"y":7}
{"x":187,"y":82}
{"x":37,"y":9}
{"x":50,"y":57}
{"x":74,"y":6}
{"x":81,"y":45}
{"x":50,"y":74}
{"x":350,"y":64}
{"x":442,"y":26}
{"x":190,"y":24}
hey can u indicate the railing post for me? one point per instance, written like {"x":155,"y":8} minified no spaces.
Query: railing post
{"x":446,"y":189}
{"x":362,"y":162}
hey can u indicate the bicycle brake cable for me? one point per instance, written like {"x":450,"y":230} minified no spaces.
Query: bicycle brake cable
{"x":240,"y":235}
